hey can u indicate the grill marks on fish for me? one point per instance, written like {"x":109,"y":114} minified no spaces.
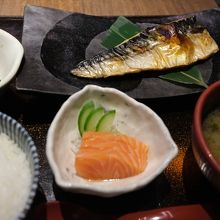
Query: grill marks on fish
{"x":164,"y":46}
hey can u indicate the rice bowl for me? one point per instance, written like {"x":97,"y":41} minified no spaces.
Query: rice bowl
{"x":18,"y":169}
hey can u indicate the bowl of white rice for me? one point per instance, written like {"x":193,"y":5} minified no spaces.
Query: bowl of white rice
{"x":19,"y":169}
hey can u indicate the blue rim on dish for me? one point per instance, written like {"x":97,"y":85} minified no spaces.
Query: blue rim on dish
{"x":19,"y":135}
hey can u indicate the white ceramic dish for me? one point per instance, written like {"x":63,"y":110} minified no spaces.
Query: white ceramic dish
{"x":63,"y":140}
{"x":11,"y":53}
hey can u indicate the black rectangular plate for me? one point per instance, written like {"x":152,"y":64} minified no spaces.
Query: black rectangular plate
{"x":35,"y":77}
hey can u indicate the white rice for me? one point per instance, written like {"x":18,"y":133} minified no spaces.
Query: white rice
{"x":15,"y":179}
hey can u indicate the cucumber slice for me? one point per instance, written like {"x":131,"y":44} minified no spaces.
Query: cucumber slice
{"x":86,"y":109}
{"x":106,"y":122}
{"x":93,"y":119}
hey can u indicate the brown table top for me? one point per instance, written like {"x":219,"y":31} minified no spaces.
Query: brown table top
{"x":111,"y":7}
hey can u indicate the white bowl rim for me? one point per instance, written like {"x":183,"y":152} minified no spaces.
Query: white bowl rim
{"x":96,"y":190}
{"x":20,"y":53}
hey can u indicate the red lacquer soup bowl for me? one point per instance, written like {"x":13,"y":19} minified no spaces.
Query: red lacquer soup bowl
{"x":207,"y":102}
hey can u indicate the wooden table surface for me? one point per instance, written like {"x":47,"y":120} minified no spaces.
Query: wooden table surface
{"x":111,"y":7}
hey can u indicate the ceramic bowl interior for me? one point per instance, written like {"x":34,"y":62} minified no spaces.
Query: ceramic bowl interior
{"x":207,"y":102}
{"x":134,"y":119}
{"x":20,"y":136}
{"x":11,"y":53}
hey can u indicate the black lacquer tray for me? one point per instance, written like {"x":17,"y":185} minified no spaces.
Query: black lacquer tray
{"x":180,"y":184}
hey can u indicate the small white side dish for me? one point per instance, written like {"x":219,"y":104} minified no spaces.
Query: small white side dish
{"x":11,"y":53}
{"x":132,"y":118}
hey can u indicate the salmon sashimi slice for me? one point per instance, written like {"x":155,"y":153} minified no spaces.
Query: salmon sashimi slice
{"x":106,"y":155}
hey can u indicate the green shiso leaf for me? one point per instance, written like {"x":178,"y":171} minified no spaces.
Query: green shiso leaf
{"x":120,"y":31}
{"x":190,"y":76}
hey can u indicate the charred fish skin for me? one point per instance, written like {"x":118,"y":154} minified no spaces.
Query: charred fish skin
{"x":179,"y":43}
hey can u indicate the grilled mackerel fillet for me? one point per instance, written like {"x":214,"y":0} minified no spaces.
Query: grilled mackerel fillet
{"x":164,"y":46}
